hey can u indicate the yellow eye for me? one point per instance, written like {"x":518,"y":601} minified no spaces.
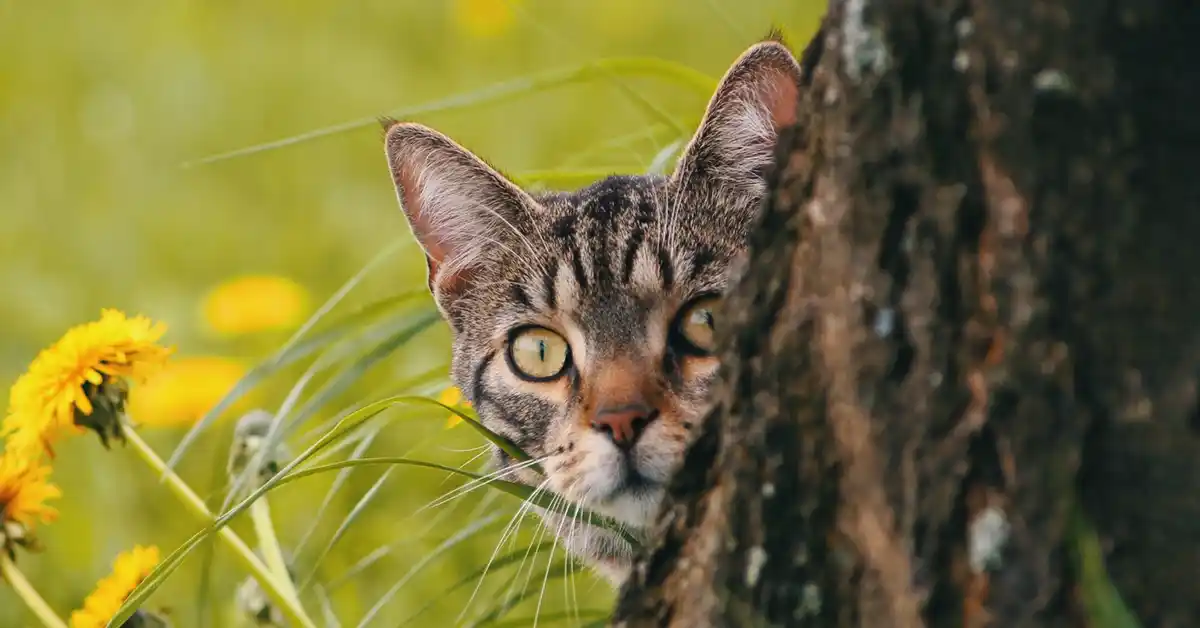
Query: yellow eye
{"x":538,"y":354}
{"x":697,"y":325}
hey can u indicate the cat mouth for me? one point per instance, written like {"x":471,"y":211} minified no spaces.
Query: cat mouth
{"x":633,"y":483}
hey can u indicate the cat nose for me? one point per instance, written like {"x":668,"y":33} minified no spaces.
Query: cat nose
{"x":624,"y":424}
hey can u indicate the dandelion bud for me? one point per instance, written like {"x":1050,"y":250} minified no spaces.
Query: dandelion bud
{"x":145,"y":619}
{"x":249,"y":439}
{"x":108,"y":406}
{"x":253,"y":603}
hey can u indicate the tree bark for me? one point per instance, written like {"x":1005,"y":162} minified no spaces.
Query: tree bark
{"x":969,"y":324}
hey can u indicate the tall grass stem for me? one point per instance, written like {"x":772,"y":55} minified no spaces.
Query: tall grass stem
{"x":288,"y":603}
{"x":24,"y":590}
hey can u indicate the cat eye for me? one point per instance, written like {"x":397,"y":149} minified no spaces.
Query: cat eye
{"x":695,"y":325}
{"x":537,"y":354}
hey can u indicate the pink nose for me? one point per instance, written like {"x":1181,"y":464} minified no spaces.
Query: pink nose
{"x":624,"y":424}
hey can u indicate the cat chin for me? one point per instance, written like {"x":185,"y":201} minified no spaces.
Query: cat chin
{"x":636,"y":507}
{"x":605,"y":552}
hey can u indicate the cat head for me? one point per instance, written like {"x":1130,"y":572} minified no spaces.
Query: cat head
{"x":584,"y":321}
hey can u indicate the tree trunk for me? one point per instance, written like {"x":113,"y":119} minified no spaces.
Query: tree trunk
{"x":969,"y":327}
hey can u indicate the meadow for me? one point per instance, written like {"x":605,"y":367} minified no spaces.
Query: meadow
{"x":217,"y":167}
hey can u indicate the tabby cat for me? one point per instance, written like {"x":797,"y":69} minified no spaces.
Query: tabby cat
{"x":583,"y":321}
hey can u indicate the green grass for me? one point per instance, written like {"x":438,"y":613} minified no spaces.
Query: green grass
{"x":158,"y":148}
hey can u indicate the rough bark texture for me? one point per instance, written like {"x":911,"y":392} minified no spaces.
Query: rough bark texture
{"x":972,"y":306}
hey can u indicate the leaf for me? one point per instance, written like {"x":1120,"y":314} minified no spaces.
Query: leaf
{"x":567,"y":178}
{"x":172,"y":561}
{"x":554,"y":571}
{"x":550,"y":618}
{"x":290,"y":354}
{"x":1101,"y":600}
{"x":380,"y":552}
{"x":664,"y":158}
{"x":433,"y":377}
{"x":338,"y":481}
{"x":289,"y":474}
{"x":444,"y":547}
{"x":702,"y":84}
{"x":348,"y":521}
{"x":623,"y":141}
{"x":544,"y":499}
{"x":515,"y":557}
{"x":408,"y":329}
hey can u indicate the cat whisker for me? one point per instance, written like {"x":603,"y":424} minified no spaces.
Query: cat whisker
{"x":549,"y":563}
{"x":509,"y":529}
{"x":571,"y":595}
{"x":483,"y":449}
{"x":536,"y":541}
{"x":478,"y":482}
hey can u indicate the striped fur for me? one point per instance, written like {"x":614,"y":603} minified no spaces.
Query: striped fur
{"x":608,"y":267}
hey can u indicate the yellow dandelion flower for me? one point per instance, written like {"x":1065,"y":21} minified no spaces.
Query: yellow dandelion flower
{"x":452,"y":396}
{"x":23,"y":443}
{"x":484,"y":18}
{"x":129,"y":570}
{"x":24,"y":491}
{"x":185,"y":390}
{"x":80,"y":380}
{"x":255,"y":303}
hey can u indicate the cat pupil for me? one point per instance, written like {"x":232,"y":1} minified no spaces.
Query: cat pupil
{"x":542,"y":350}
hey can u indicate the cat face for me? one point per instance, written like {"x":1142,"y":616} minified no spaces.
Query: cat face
{"x":584,"y":321}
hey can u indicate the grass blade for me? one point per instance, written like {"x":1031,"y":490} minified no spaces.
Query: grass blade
{"x":290,"y":354}
{"x":665,"y":158}
{"x":172,"y":561}
{"x":544,"y":500}
{"x":289,"y":474}
{"x":549,"y":618}
{"x":696,"y":81}
{"x":348,"y":521}
{"x":567,"y":178}
{"x":338,"y":482}
{"x":410,"y":328}
{"x":507,"y":604}
{"x":444,"y":547}
{"x":1101,"y":600}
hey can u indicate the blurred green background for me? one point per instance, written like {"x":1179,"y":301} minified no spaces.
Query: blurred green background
{"x":101,"y":107}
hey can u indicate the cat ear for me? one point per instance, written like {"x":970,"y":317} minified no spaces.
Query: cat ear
{"x":758,"y":96}
{"x":458,"y":207}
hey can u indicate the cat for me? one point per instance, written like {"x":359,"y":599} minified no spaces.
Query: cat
{"x":583,"y":321}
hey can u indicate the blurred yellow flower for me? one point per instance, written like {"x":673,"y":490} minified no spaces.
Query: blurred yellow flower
{"x":255,"y":303}
{"x":181,"y":393}
{"x":24,"y":491}
{"x":80,"y":380}
{"x":484,"y":18}
{"x":129,"y":570}
{"x":452,"y":396}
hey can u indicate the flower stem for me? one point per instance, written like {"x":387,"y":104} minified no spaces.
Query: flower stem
{"x":279,"y":594}
{"x":268,"y":543}
{"x":25,"y":591}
